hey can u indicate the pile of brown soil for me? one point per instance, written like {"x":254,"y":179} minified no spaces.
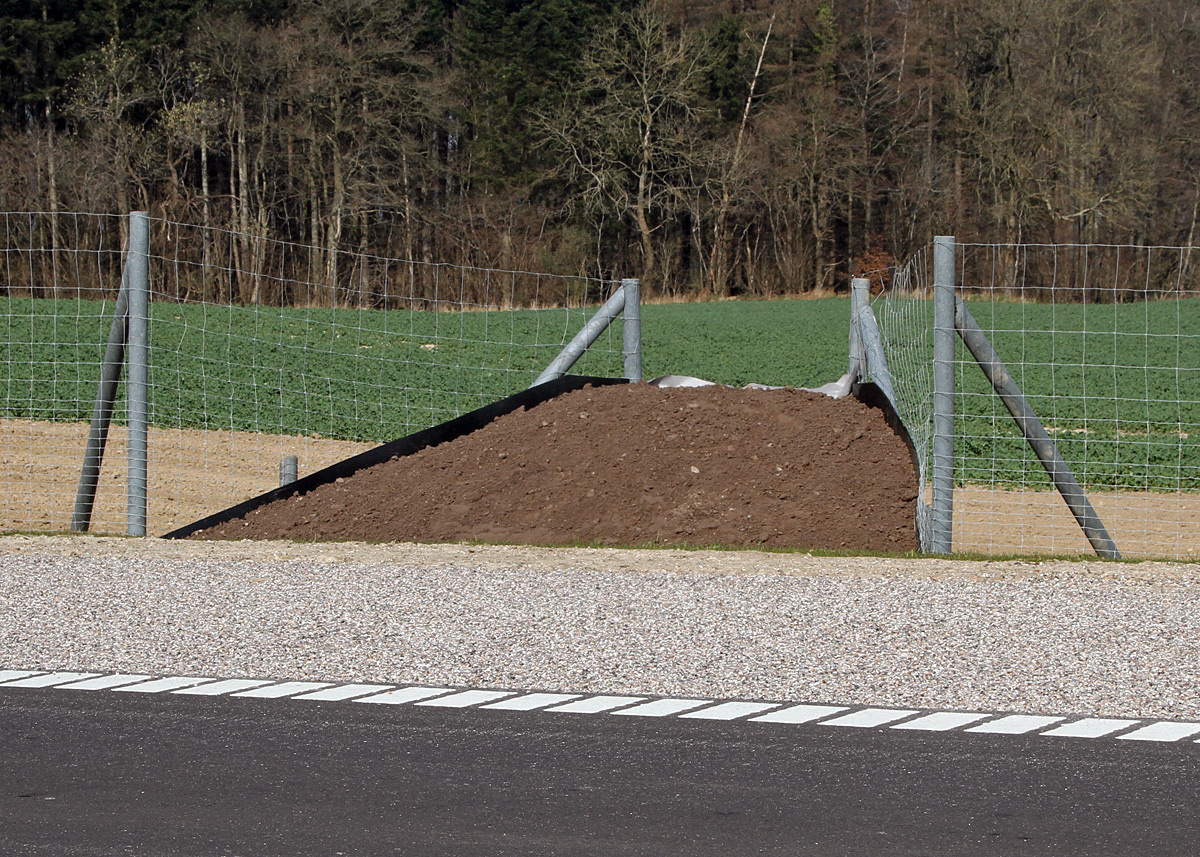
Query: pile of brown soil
{"x":632,"y":465}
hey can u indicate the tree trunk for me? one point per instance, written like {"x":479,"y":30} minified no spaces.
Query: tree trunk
{"x":52,"y":186}
{"x":641,"y":216}
{"x":205,"y":206}
{"x":246,"y":285}
{"x":334,"y":231}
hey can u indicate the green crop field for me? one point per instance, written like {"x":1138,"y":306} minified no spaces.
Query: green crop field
{"x":373,"y":375}
{"x":1118,"y":386}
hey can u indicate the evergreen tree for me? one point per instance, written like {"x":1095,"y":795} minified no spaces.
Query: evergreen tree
{"x":518,"y":56}
{"x":46,"y":44}
{"x":38,"y":39}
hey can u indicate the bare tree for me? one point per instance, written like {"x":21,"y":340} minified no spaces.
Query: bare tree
{"x":628,"y":138}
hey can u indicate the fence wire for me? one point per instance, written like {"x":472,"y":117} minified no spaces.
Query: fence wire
{"x":259,"y":349}
{"x":1105,"y":343}
{"x":904,"y":311}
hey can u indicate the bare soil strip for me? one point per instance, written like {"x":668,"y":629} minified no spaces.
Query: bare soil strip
{"x":192,"y":473}
{"x":195,"y":473}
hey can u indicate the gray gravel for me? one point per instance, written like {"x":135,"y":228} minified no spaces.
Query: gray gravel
{"x":1054,"y":637}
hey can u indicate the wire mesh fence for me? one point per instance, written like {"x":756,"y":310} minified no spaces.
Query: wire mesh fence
{"x":262,"y":349}
{"x":259,"y":349}
{"x":1104,"y":341}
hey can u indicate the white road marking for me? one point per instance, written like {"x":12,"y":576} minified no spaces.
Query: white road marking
{"x":9,"y":675}
{"x":799,"y":714}
{"x":229,"y":685}
{"x":343,"y":691}
{"x":403,"y":695}
{"x":1161,"y":732}
{"x":162,"y":685}
{"x":1015,"y":724}
{"x":287,"y":688}
{"x":467,"y":698}
{"x":49,"y":680}
{"x":942,"y":721}
{"x":662,"y":707}
{"x":632,"y":706}
{"x":1090,"y":727}
{"x":596,"y":704}
{"x":731,"y":710}
{"x":531,"y":701}
{"x":869,"y":718}
{"x":105,"y":682}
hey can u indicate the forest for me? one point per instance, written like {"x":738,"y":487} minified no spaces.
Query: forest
{"x":713,"y":148}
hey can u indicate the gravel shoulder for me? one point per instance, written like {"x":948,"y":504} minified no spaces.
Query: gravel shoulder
{"x":1116,"y":639}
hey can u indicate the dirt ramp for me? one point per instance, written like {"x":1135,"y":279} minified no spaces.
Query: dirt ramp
{"x":631,"y":465}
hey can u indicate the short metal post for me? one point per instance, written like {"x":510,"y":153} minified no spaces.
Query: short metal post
{"x":631,"y":324}
{"x":289,"y":469}
{"x":138,"y":354}
{"x":942,"y":469}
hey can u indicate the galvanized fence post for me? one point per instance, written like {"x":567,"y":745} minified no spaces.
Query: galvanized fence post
{"x":631,"y":325}
{"x":138,"y":355}
{"x":289,"y":470}
{"x":942,"y":466}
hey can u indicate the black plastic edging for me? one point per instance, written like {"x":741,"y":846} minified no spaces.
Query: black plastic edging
{"x":401,"y":447}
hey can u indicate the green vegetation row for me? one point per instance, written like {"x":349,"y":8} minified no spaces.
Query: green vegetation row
{"x":1117,"y":386}
{"x":1113,"y":383}
{"x":373,"y":375}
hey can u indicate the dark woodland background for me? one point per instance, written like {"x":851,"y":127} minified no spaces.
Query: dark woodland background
{"x":711,"y":148}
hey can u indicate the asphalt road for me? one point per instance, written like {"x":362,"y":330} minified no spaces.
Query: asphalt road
{"x":120,"y":774}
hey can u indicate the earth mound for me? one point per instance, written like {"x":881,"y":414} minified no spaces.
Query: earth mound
{"x":631,"y":465}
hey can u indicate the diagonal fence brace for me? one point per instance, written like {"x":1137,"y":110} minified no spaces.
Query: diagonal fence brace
{"x":625,"y":302}
{"x":1035,"y":433}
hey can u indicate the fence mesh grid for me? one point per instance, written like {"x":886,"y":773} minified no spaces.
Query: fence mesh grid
{"x":904,"y":313}
{"x":259,"y":349}
{"x":1105,"y":343}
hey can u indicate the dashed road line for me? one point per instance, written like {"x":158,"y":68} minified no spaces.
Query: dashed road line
{"x":731,"y":710}
{"x":466,"y":698}
{"x":1091,"y":727}
{"x":531,"y":701}
{"x":942,"y":721}
{"x":342,"y":692}
{"x":596,"y":704}
{"x":287,"y":688}
{"x":1016,"y":724}
{"x":869,"y":718}
{"x":662,"y":707}
{"x":10,"y":675}
{"x":219,"y":688}
{"x":50,"y":679}
{"x":105,"y":682}
{"x":403,"y":695}
{"x":862,"y":717}
{"x":1162,"y":732}
{"x":797,"y":714}
{"x":162,"y":685}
